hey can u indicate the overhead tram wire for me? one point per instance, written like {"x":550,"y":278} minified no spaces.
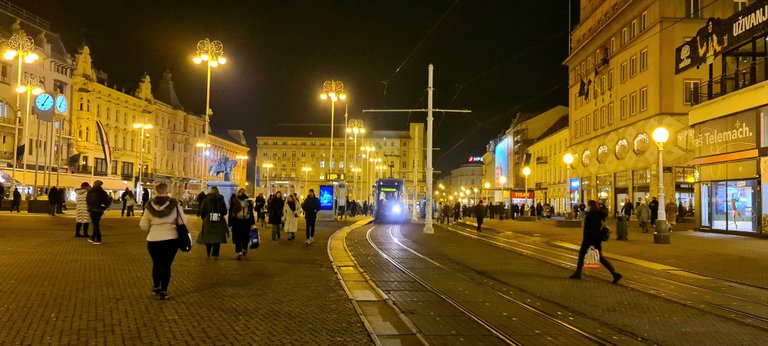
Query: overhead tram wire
{"x":423,"y":39}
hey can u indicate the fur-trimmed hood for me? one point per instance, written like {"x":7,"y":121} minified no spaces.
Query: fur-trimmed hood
{"x":161,"y":206}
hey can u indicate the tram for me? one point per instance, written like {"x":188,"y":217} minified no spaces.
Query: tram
{"x":389,"y":201}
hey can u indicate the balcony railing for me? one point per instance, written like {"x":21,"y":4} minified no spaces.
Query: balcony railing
{"x":724,"y":84}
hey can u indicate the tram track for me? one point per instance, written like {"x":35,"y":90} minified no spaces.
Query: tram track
{"x":504,"y":336}
{"x":754,"y":320}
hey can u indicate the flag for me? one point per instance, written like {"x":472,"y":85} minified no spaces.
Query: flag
{"x":20,"y":152}
{"x":74,"y":161}
{"x":105,"y":144}
{"x":582,"y":88}
{"x":586,"y":90}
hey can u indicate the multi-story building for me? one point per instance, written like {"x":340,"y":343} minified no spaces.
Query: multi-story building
{"x":622,"y":87}
{"x":469,"y":176}
{"x":549,"y":174}
{"x":53,"y":70}
{"x":296,"y":164}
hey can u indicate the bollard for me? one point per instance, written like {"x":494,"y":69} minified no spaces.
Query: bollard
{"x":622,"y":233}
{"x":662,"y":234}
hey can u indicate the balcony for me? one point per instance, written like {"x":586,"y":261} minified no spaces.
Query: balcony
{"x":746,"y":75}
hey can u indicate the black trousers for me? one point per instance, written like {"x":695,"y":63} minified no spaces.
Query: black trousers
{"x":84,"y":225}
{"x":95,"y":219}
{"x":583,"y":252}
{"x":162,"y":253}
{"x":241,"y":234}
{"x":310,"y":226}
{"x":479,"y":223}
{"x":212,"y":249}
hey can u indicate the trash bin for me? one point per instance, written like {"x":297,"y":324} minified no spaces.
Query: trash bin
{"x":622,"y":233}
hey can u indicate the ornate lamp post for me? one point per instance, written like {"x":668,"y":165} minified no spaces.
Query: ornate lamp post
{"x":333,"y":90}
{"x":354,"y":127}
{"x":356,"y":171}
{"x":267,"y":166}
{"x":31,"y":86}
{"x":568,"y":159}
{"x":203,"y":154}
{"x":660,"y":136}
{"x":21,"y":47}
{"x":526,"y":173}
{"x":212,"y":53}
{"x":143,"y":127}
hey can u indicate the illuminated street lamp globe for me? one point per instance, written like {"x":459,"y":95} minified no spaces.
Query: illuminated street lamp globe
{"x":526,"y":171}
{"x":568,"y":159}
{"x":487,"y":185}
{"x":660,"y":135}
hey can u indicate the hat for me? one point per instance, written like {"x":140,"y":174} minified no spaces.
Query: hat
{"x":85,"y":185}
{"x":97,"y":183}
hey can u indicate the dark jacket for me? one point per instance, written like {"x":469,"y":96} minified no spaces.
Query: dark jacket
{"x":260,"y":203}
{"x":97,"y":199}
{"x":213,"y":232}
{"x":236,"y":212}
{"x":311,"y":206}
{"x":593,"y":223}
{"x":275,"y":209}
{"x":145,"y":196}
{"x":628,"y":209}
{"x":16,"y":197}
{"x":53,"y":195}
{"x":654,"y":205}
{"x":479,"y":211}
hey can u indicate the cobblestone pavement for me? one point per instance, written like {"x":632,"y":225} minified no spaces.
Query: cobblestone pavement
{"x":57,"y":289}
{"x":731,"y":257}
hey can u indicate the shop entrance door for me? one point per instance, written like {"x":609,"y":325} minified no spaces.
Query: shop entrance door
{"x":706,"y":211}
{"x":740,"y":205}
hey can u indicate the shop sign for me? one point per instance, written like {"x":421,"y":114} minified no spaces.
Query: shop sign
{"x":472,"y":159}
{"x":575,"y":183}
{"x":727,"y":134}
{"x":718,"y":35}
{"x":522,"y":194}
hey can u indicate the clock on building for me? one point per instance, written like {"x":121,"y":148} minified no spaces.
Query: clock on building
{"x":61,"y":104}
{"x":44,"y":102}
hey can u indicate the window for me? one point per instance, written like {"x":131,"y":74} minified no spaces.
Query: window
{"x":610,"y":79}
{"x":595,"y":121}
{"x":587,"y":124}
{"x":127,"y":169}
{"x":612,"y":46}
{"x":624,"y":108}
{"x":610,"y":114}
{"x":59,"y":86}
{"x":643,"y":60}
{"x":633,"y":103}
{"x":643,"y":20}
{"x":100,"y":166}
{"x":632,"y":66}
{"x":4,"y":73}
{"x":623,"y":72}
{"x":633,"y":29}
{"x":693,"y":8}
{"x":603,"y":117}
{"x":322,"y":164}
{"x":624,"y":36}
{"x":691,"y":92}
{"x":643,"y":99}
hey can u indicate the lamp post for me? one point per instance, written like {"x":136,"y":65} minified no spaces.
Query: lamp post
{"x":242,"y":159}
{"x":487,"y":186}
{"x":354,"y":126}
{"x":31,"y":86}
{"x":568,"y":160}
{"x":143,"y":127}
{"x":662,"y":236}
{"x":526,"y":173}
{"x":356,"y":170}
{"x":475,"y":190}
{"x":203,"y":153}
{"x":503,"y":181}
{"x":306,"y":174}
{"x":267,"y":166}
{"x":21,"y":47}
{"x":367,"y":156}
{"x":212,"y":53}
{"x":333,"y":90}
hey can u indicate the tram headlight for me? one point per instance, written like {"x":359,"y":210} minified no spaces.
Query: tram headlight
{"x":397,"y":209}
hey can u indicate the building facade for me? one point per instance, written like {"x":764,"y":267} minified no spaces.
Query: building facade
{"x":468,"y":176}
{"x":549,"y":174}
{"x":623,"y":86}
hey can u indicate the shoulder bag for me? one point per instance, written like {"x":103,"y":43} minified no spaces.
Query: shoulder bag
{"x":185,"y":239}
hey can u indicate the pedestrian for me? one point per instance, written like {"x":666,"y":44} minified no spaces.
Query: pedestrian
{"x":82,"y":217}
{"x":311,"y":206}
{"x":681,"y":213}
{"x":62,"y":198}
{"x":514,"y":209}
{"x":456,"y":211}
{"x":98,"y":202}
{"x":130,"y":202}
{"x":259,"y":209}
{"x":593,"y":237}
{"x":214,"y":232}
{"x":123,"y":198}
{"x":2,"y":195}
{"x":479,"y":215}
{"x":628,"y":208}
{"x":654,"y":205}
{"x":16,"y":201}
{"x":447,"y":211}
{"x":275,"y":209}
{"x":53,"y":197}
{"x":671,"y":209}
{"x":161,"y":217}
{"x":291,"y":217}
{"x":144,"y":200}
{"x":539,"y":210}
{"x":241,"y":221}
{"x":643,"y":214}
{"x":200,"y":198}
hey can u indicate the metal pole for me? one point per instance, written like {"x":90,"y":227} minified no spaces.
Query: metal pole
{"x":415,"y":213}
{"x":428,"y":229}
{"x":16,"y":126}
{"x":330,"y":158}
{"x":37,"y":154}
{"x":141,"y":162}
{"x":346,"y":123}
{"x":60,"y":148}
{"x":255,"y":172}
{"x":662,"y":211}
{"x":207,"y":120}
{"x":355,"y":160}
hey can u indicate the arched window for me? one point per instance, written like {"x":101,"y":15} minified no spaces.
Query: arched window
{"x":87,"y":134}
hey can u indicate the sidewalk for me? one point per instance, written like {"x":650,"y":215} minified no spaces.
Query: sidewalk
{"x":736,"y":258}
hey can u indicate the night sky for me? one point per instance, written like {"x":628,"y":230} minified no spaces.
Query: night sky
{"x":496,"y":58}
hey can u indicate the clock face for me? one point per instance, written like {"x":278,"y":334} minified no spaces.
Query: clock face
{"x":61,"y":104}
{"x":44,"y":102}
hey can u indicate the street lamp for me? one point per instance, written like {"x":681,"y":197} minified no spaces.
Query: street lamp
{"x":21,"y":47}
{"x":203,"y":153}
{"x":503,"y":181}
{"x":267,"y":166}
{"x":31,"y":86}
{"x":367,"y":149}
{"x":475,"y":190}
{"x":333,"y":90}
{"x":212,"y":53}
{"x":242,"y":159}
{"x":661,"y":135}
{"x":526,"y":173}
{"x":306,"y":174}
{"x":487,"y":186}
{"x":568,"y":159}
{"x":143,"y":127}
{"x":356,"y":171}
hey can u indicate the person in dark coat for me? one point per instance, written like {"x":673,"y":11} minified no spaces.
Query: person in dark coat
{"x":628,"y":209}
{"x":539,"y":210}
{"x":241,"y":220}
{"x":62,"y":199}
{"x":98,"y":202}
{"x":275,"y":210}
{"x":16,"y":201}
{"x":2,"y":195}
{"x":215,"y":229}
{"x":123,"y":199}
{"x":53,"y":197}
{"x":480,"y":214}
{"x":680,"y":213}
{"x":200,"y":198}
{"x":144,"y":200}
{"x":259,"y":209}
{"x":311,"y":206}
{"x":654,"y":205}
{"x":593,"y":237}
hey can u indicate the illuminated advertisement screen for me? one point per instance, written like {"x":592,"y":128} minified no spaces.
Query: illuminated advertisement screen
{"x":326,"y":197}
{"x":501,"y":160}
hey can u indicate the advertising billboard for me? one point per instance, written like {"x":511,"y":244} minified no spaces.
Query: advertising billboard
{"x":501,"y":160}
{"x":326,"y":197}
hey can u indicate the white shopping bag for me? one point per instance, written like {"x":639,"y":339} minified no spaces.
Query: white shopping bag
{"x":592,"y":259}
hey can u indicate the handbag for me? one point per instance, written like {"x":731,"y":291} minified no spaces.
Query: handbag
{"x":592,"y":258}
{"x":255,"y":239}
{"x":185,"y":239}
{"x":605,"y":233}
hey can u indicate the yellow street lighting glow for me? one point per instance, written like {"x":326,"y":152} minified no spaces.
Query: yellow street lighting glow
{"x":568,"y":158}
{"x":660,"y":135}
{"x":323,"y":96}
{"x":267,"y":165}
{"x":487,"y":185}
{"x":10,"y":54}
{"x":21,"y":88}
{"x":37,"y":91}
{"x":222,"y":60}
{"x":306,"y":169}
{"x":214,"y":63}
{"x":205,"y":57}
{"x":343,"y":96}
{"x":503,"y":179}
{"x":197,"y":60}
{"x":241,"y":157}
{"x":526,"y":171}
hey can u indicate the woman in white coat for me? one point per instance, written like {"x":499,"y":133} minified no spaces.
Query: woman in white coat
{"x":82,"y":217}
{"x":291,"y":215}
